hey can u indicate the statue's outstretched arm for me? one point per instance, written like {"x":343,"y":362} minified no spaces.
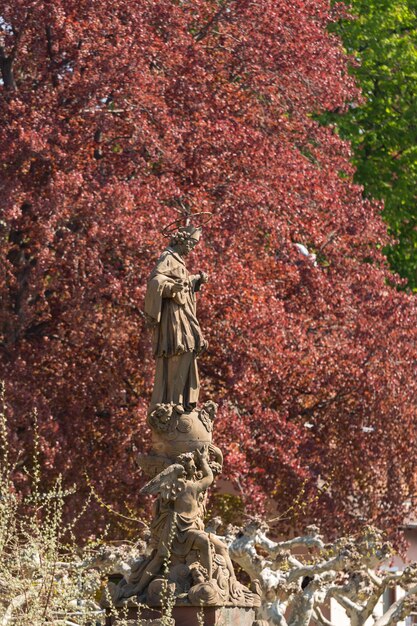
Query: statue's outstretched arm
{"x":202,"y":458}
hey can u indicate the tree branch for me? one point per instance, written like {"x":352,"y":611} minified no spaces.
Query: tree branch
{"x":336,"y":564}
{"x":50,"y":50}
{"x":6,"y":69}
{"x":319,"y":617}
{"x":6,"y":61}
{"x":399,"y":610}
{"x":203,"y":32}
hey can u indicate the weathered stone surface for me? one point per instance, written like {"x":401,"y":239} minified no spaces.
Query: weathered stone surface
{"x":190,"y":616}
{"x":145,"y":622}
{"x":185,"y":562}
{"x":185,"y":435}
{"x":170,"y":307}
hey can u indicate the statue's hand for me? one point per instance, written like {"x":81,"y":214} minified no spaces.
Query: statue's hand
{"x":203,"y":453}
{"x":177,"y":288}
{"x":203,"y":347}
{"x":203,"y":278}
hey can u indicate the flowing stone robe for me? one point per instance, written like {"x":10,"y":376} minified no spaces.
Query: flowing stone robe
{"x":174,"y":533}
{"x":177,"y":337}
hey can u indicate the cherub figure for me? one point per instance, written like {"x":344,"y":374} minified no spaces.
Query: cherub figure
{"x":207,"y":414}
{"x":178,"y":524}
{"x":203,"y":592}
{"x":160,"y":417}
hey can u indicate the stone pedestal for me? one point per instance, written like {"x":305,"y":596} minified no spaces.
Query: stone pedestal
{"x":191,"y":616}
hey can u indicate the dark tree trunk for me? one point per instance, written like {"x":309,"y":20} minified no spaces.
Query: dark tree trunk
{"x":6,"y":68}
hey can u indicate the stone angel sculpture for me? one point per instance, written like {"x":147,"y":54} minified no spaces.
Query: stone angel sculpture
{"x":167,"y":483}
{"x":178,"y":527}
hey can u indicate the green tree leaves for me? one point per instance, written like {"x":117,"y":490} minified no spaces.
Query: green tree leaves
{"x":382,"y":41}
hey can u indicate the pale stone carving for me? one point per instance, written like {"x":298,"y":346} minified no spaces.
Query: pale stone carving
{"x":170,"y":307}
{"x":185,"y":560}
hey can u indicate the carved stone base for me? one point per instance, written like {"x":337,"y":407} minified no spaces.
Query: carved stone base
{"x":144,"y":622}
{"x":189,"y":616}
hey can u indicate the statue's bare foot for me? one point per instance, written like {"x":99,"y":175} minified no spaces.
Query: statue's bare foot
{"x":121,"y":592}
{"x":115,"y":592}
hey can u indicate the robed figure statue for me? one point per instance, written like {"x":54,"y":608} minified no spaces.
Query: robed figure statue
{"x":170,"y":307}
{"x":183,"y":461}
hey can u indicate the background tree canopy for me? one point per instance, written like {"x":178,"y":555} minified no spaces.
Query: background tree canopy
{"x":113,"y":113}
{"x":383,"y":128}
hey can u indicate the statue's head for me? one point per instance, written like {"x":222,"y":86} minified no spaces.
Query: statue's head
{"x":188,"y":462}
{"x":210,"y":408}
{"x":185,"y":239}
{"x":199,"y":573}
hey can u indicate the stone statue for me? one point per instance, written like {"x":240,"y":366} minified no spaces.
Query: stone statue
{"x":170,"y":308}
{"x":183,"y":557}
{"x":177,"y":526}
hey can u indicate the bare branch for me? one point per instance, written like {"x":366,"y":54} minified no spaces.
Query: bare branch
{"x":400,"y":609}
{"x":336,"y":564}
{"x":319,"y":617}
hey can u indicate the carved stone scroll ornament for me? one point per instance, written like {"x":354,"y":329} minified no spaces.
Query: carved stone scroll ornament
{"x":183,"y":558}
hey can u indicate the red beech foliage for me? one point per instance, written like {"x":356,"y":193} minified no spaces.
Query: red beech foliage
{"x":112,"y":114}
